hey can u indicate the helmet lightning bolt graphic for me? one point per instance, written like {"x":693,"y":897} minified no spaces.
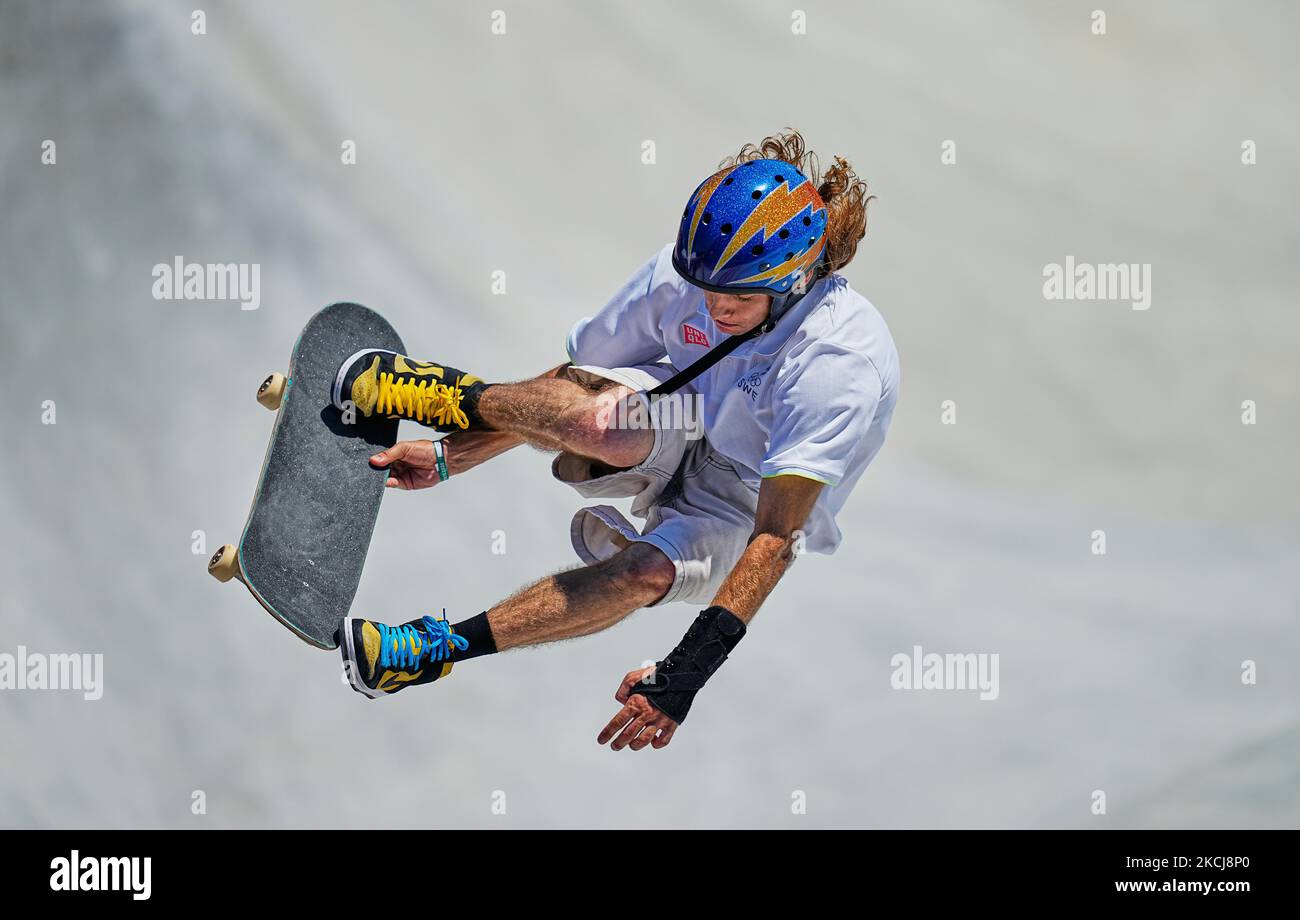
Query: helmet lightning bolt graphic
{"x":781,"y":206}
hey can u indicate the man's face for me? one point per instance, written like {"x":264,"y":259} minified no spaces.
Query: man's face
{"x":736,"y":314}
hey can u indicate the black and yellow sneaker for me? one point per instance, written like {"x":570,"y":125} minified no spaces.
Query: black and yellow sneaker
{"x":390,"y":385}
{"x":380,"y":659}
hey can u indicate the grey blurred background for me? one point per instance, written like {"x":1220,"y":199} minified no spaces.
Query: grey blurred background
{"x":522,"y":153}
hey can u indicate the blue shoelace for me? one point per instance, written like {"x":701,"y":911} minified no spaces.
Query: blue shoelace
{"x":408,"y":645}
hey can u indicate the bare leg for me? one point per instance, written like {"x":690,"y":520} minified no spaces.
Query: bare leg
{"x":582,"y":601}
{"x":557,"y":413}
{"x":560,"y":414}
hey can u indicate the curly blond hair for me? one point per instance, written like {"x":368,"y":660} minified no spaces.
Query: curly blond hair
{"x":844,"y":193}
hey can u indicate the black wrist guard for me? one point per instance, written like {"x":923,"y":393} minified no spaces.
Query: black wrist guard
{"x":679,"y":677}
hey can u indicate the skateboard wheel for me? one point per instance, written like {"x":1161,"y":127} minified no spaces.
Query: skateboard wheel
{"x":224,"y":565}
{"x":271,"y":392}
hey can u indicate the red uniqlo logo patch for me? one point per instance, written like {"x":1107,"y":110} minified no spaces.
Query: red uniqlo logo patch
{"x":693,"y":336}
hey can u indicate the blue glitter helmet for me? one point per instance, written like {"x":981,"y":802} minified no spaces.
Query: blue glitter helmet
{"x":757,"y":227}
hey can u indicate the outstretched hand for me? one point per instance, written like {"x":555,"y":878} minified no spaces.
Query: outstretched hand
{"x":638,"y":723}
{"x":411,"y":465}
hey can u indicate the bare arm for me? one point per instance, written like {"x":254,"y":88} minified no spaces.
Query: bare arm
{"x":784,"y":503}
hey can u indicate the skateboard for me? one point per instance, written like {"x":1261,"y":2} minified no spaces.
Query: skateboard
{"x":317,"y":498}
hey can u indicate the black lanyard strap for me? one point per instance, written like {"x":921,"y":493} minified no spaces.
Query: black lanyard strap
{"x":780,"y":307}
{"x":681,"y":378}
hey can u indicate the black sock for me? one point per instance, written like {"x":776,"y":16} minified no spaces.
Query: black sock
{"x":479,"y":635}
{"x":469,"y":405}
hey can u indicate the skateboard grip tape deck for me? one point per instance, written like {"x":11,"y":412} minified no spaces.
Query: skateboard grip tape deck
{"x":305,"y":543}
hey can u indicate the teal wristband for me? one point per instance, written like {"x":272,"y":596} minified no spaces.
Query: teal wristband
{"x":440,"y":453}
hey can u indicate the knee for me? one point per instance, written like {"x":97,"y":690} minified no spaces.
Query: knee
{"x":582,"y":420}
{"x":641,"y":572}
{"x":596,"y":425}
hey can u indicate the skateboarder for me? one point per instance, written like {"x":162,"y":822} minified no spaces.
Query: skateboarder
{"x":794,"y":376}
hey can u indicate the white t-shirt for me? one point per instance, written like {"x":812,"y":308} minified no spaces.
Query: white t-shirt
{"x":812,"y":398}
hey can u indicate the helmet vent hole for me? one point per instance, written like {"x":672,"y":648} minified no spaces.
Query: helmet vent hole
{"x":706,"y":218}
{"x":807,"y":221}
{"x":789,"y":256}
{"x":784,"y":234}
{"x":756,"y":195}
{"x":725,"y":229}
{"x":778,"y":179}
{"x":728,"y":180}
{"x":756,"y":250}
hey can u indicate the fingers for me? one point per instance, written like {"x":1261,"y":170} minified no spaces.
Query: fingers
{"x":621,"y":718}
{"x":637,"y":725}
{"x":649,"y":733}
{"x":410,"y":464}
{"x":408,"y":479}
{"x":629,"y":733}
{"x":398,"y":451}
{"x":627,"y":687}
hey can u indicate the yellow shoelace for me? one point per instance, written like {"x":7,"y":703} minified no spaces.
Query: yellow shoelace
{"x":426,"y":401}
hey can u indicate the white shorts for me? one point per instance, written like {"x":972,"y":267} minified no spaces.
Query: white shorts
{"x":697,"y":510}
